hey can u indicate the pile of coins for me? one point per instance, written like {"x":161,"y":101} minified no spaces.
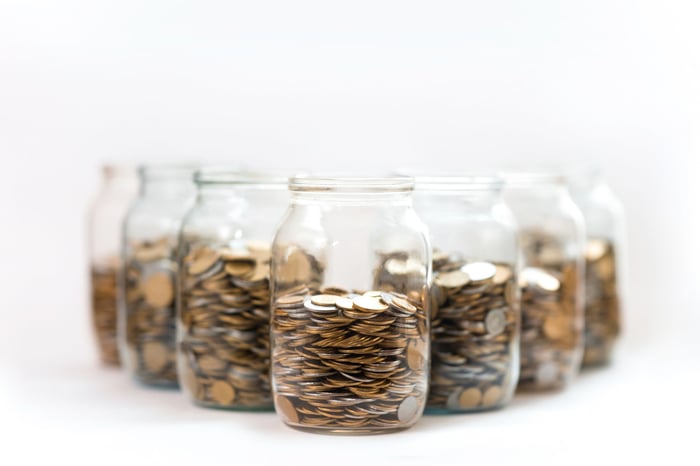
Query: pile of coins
{"x":551,"y":340}
{"x":150,"y":311}
{"x":474,"y":334}
{"x":104,"y":310}
{"x":602,"y":303}
{"x":224,"y":338}
{"x":349,"y":361}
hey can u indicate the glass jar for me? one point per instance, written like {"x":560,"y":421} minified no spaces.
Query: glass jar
{"x":605,"y":230}
{"x":147,"y":309}
{"x":119,"y":187}
{"x":224,"y":299}
{"x":350,"y":287}
{"x":552,"y":238}
{"x":476,"y":316}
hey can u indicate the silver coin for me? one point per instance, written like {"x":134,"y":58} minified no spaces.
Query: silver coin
{"x":479,"y":271}
{"x":408,"y":409}
{"x":547,"y":374}
{"x":495,"y":321}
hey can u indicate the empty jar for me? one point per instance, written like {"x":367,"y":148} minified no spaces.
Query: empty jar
{"x":119,"y":187}
{"x":224,"y":300}
{"x":605,"y":230}
{"x":552,"y":239}
{"x":476,"y":316}
{"x":351,"y":265}
{"x":147,"y":310}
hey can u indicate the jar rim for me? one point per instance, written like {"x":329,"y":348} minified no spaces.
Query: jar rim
{"x":446,"y":182}
{"x":525,"y":179}
{"x":350,"y":183}
{"x":167,"y":172}
{"x":230,"y":176}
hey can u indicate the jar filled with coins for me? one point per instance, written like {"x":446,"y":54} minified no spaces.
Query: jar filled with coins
{"x":147,"y":309}
{"x":224,"y":300}
{"x":351,"y":273}
{"x":476,"y":315}
{"x":552,"y":238}
{"x":605,"y":232}
{"x":119,"y":187}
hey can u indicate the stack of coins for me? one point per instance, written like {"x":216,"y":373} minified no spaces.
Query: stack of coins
{"x":224,"y":342}
{"x":398,"y":271}
{"x":602,"y":303}
{"x":349,"y":361}
{"x":150,"y":311}
{"x":551,"y":341}
{"x":474,"y":334}
{"x":104,"y":310}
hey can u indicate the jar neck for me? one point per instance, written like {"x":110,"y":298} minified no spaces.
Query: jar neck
{"x":355,"y":198}
{"x":231,"y":193}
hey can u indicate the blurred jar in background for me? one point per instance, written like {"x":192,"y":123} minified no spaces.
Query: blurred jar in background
{"x":475,"y":310}
{"x":552,"y":240}
{"x":119,"y":187}
{"x":147,"y":304}
{"x":224,"y":299}
{"x":351,"y":273}
{"x":605,"y":230}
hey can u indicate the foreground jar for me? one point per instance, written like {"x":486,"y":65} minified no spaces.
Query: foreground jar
{"x":476,"y":316}
{"x":604,"y":218}
{"x":224,"y":299}
{"x":147,"y":315}
{"x":350,"y":284}
{"x":552,"y":237}
{"x":119,"y":187}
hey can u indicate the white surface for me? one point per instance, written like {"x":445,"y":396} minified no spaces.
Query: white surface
{"x":370,"y":85}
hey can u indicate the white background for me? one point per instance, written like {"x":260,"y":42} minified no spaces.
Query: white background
{"x":366,"y":86}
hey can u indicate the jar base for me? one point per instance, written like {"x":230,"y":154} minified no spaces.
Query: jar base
{"x":347,"y":431}
{"x":249,"y":409}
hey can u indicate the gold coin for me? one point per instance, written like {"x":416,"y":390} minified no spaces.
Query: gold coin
{"x":345,"y":304}
{"x":492,"y":396}
{"x":470,"y":398}
{"x":206,"y":258}
{"x":222,"y":392}
{"x":367,"y":303}
{"x":415,"y":358}
{"x":155,"y":356}
{"x":158,"y":290}
{"x":502,"y":275}
{"x":239,"y":268}
{"x":324,"y":299}
{"x":286,"y":408}
{"x":556,"y":326}
{"x":456,"y":279}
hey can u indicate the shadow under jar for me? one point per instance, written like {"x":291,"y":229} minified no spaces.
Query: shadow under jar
{"x":552,"y":236}
{"x":119,"y":187}
{"x":350,"y":285}
{"x":147,"y":309}
{"x":224,"y":299}
{"x":605,"y":230}
{"x":476,"y":316}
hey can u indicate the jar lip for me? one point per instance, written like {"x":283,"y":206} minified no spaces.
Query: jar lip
{"x":221,"y":176}
{"x":167,"y":172}
{"x":446,"y":182}
{"x":350,"y":183}
{"x":525,"y":179}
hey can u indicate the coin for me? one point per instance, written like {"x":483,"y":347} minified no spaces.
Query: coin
{"x":470,"y":398}
{"x":495,"y":321}
{"x":324,"y":300}
{"x":416,"y":361}
{"x":104,"y":309}
{"x":456,"y":279}
{"x":479,"y":271}
{"x":204,"y":261}
{"x":368,"y":303}
{"x":155,"y":356}
{"x":345,"y":303}
{"x":158,"y":290}
{"x":556,"y":326}
{"x":408,"y":409}
{"x":286,"y":408}
{"x":492,"y":396}
{"x":222,"y":392}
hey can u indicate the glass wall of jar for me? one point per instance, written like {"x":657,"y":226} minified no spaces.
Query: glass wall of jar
{"x":476,"y":315}
{"x":350,"y":288}
{"x":552,"y":238}
{"x":224,"y":299}
{"x":119,"y":187}
{"x":149,"y":247}
{"x":604,"y":216}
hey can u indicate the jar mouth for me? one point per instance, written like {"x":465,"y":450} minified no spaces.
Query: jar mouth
{"x":351,"y":184}
{"x":458,"y":183}
{"x":526,"y":179}
{"x":220,"y":176}
{"x":167,"y":172}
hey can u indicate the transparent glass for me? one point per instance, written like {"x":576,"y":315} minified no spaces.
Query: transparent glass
{"x":605,"y":250}
{"x":224,"y":299}
{"x":351,"y":271}
{"x":119,"y":187}
{"x":149,"y":246}
{"x":476,"y":316}
{"x":552,"y":240}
